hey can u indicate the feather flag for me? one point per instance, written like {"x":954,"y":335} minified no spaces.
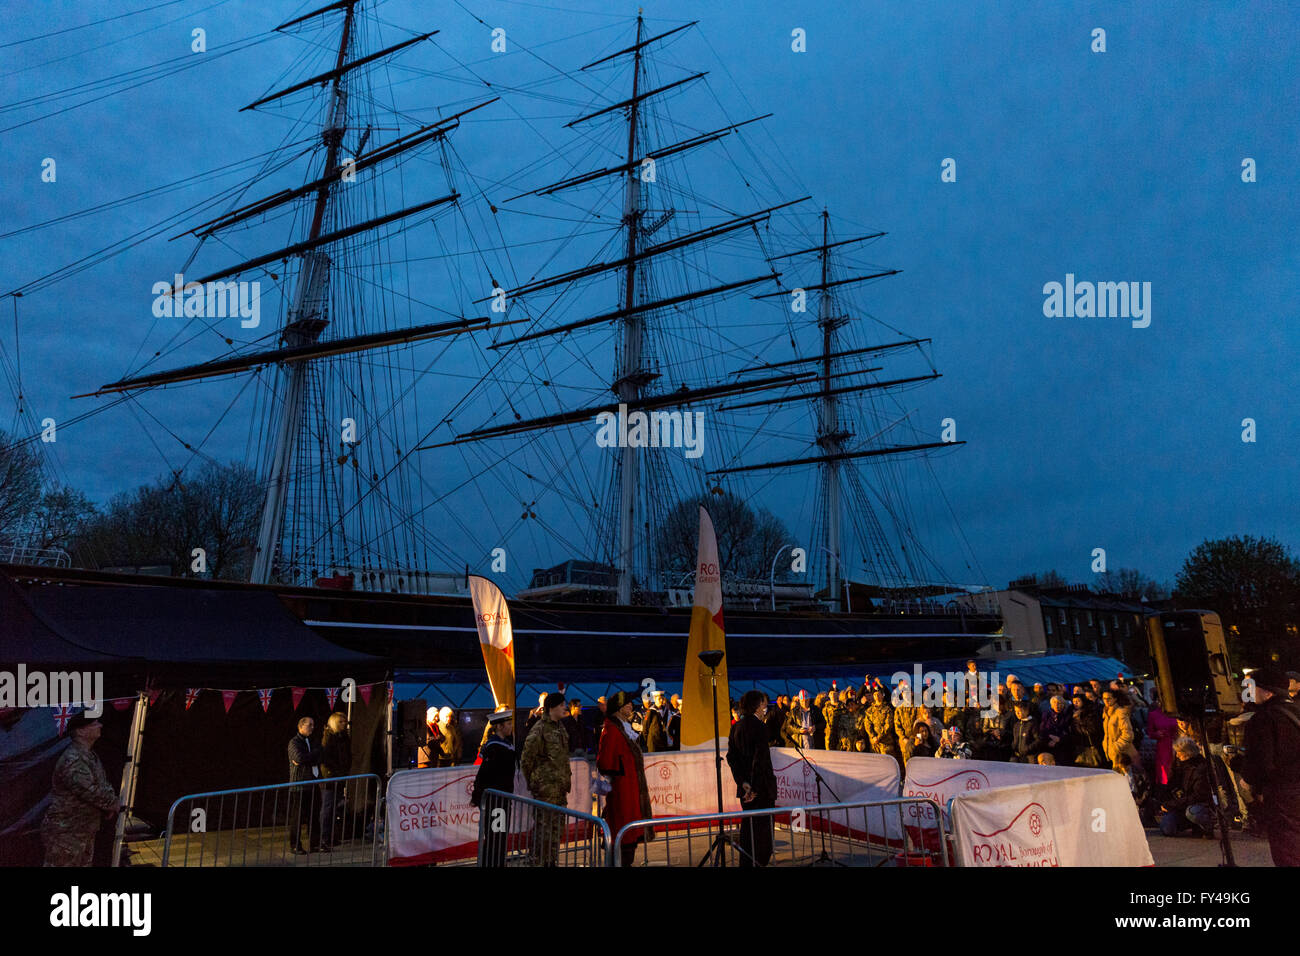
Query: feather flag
{"x":495,"y":639}
{"x":707,"y":633}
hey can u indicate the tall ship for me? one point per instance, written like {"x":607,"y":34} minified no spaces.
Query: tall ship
{"x":525,"y":333}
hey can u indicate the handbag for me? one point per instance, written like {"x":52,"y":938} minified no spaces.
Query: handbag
{"x":1088,"y":758}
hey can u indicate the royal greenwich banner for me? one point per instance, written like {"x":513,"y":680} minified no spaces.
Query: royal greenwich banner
{"x":430,"y":818}
{"x":682,"y":782}
{"x":1083,"y":820}
{"x":941,"y":779}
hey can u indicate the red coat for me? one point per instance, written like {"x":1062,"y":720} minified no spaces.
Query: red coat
{"x":619,"y":759}
{"x":1163,"y":729}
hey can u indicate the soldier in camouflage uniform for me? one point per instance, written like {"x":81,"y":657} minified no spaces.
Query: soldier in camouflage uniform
{"x":80,"y":801}
{"x":906,"y":718}
{"x":830,"y":712}
{"x":848,"y":720}
{"x":545,"y":763}
{"x":878,"y":722}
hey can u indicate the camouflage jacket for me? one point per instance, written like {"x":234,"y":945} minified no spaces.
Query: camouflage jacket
{"x":848,"y":728}
{"x":906,"y":719}
{"x":81,"y":791}
{"x":878,"y":722}
{"x":830,"y":712}
{"x":545,"y":760}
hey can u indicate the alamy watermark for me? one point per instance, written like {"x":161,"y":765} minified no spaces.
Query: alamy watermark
{"x":1102,"y":300}
{"x":212,"y":300}
{"x":651,"y":430}
{"x":26,"y":689}
{"x":960,"y":688}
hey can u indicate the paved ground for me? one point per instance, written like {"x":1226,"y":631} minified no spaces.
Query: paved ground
{"x":264,"y":847}
{"x":1247,"y":850}
{"x":269,"y":848}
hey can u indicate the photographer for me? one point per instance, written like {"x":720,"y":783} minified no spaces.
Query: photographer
{"x":1271,"y":764}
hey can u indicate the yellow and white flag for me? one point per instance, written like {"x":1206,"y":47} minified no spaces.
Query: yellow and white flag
{"x":495,"y":639}
{"x":707,"y":633}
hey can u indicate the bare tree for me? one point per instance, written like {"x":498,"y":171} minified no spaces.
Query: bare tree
{"x":747,"y":539}
{"x":20,"y":485}
{"x":216,"y":509}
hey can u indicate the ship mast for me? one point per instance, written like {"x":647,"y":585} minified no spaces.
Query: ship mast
{"x":303,"y":325}
{"x":830,"y":438}
{"x":630,"y":376}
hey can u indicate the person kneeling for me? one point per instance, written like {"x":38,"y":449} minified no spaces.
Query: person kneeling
{"x":1189,"y":805}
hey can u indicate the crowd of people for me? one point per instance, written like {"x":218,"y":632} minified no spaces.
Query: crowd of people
{"x":1094,"y":724}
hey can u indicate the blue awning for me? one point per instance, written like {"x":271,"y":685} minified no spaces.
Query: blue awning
{"x":1036,"y":669}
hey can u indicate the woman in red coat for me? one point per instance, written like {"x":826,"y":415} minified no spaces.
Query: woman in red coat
{"x":619,"y":758}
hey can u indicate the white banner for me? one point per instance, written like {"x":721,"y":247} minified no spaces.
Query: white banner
{"x":683,"y":782}
{"x":430,"y":817}
{"x":941,"y":779}
{"x":1087,"y":819}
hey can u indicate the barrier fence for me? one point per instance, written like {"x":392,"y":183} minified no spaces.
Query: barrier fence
{"x":515,"y":830}
{"x":333,"y":822}
{"x":902,"y":832}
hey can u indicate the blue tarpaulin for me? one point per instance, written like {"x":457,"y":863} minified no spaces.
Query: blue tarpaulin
{"x":1048,"y":668}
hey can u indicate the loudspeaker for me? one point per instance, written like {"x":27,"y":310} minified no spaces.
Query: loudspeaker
{"x":1191,"y":658}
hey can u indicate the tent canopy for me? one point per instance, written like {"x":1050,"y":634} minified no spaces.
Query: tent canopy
{"x":173,"y":638}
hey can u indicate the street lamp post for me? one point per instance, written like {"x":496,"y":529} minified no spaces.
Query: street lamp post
{"x":772,"y":577}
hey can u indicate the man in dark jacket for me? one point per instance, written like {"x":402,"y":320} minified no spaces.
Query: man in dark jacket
{"x":496,"y":772}
{"x":654,"y":725}
{"x":775,"y":721}
{"x":1026,"y":742}
{"x":751,"y":767}
{"x":305,"y":756}
{"x":675,"y":723}
{"x":1189,"y":804}
{"x":1271,"y":764}
{"x":336,"y":761}
{"x":576,"y":729}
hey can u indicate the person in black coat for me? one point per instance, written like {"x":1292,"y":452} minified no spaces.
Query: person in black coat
{"x":654,"y":724}
{"x":1190,"y":801}
{"x":751,"y":767}
{"x":1086,"y":733}
{"x":1026,"y":741}
{"x":496,"y":772}
{"x":336,"y":761}
{"x":775,"y":720}
{"x":305,"y":757}
{"x":1271,"y":764}
{"x":675,"y":724}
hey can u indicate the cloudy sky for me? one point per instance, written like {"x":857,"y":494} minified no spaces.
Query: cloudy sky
{"x":1123,"y":165}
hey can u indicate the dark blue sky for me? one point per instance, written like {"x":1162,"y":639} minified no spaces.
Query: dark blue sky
{"x":1122,"y":166}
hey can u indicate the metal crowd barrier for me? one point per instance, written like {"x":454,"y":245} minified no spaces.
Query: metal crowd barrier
{"x":830,"y":834}
{"x":257,"y":826}
{"x":514,"y":830}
